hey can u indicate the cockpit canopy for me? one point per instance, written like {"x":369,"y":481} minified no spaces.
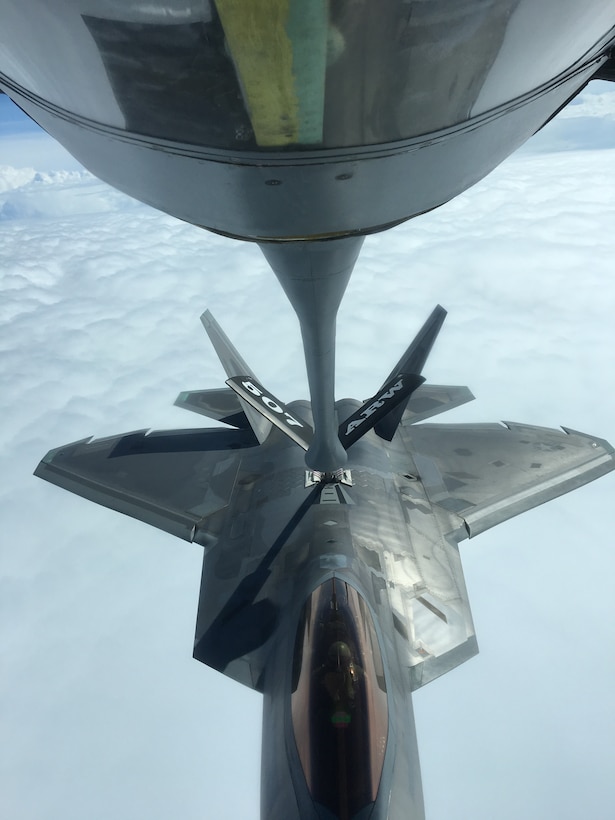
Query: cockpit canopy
{"x":339,"y":699}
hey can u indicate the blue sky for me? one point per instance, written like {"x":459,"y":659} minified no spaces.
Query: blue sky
{"x":103,"y":711}
{"x":12,"y":118}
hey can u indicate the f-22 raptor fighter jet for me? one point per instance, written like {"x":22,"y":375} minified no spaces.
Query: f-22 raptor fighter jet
{"x":335,"y":594}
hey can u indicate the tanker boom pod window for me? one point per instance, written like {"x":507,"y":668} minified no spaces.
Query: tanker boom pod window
{"x":339,"y":700}
{"x":284,"y":75}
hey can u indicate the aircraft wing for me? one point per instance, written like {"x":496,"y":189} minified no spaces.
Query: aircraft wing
{"x":487,"y":473}
{"x":173,"y":480}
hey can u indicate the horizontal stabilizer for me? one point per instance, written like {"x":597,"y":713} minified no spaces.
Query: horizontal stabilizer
{"x":264,"y":402}
{"x":431,"y":399}
{"x":234,"y":365}
{"x":412,"y":361}
{"x":393,"y":393}
{"x":220,"y":404}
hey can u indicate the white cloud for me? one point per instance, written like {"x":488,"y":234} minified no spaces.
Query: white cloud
{"x":35,"y":150}
{"x":104,"y":712}
{"x":587,"y":123}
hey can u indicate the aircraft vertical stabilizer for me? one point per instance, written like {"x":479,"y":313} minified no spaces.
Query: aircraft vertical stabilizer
{"x":413,"y":362}
{"x":234,"y":365}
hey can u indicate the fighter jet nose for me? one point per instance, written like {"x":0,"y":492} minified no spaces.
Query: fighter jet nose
{"x":324,"y":455}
